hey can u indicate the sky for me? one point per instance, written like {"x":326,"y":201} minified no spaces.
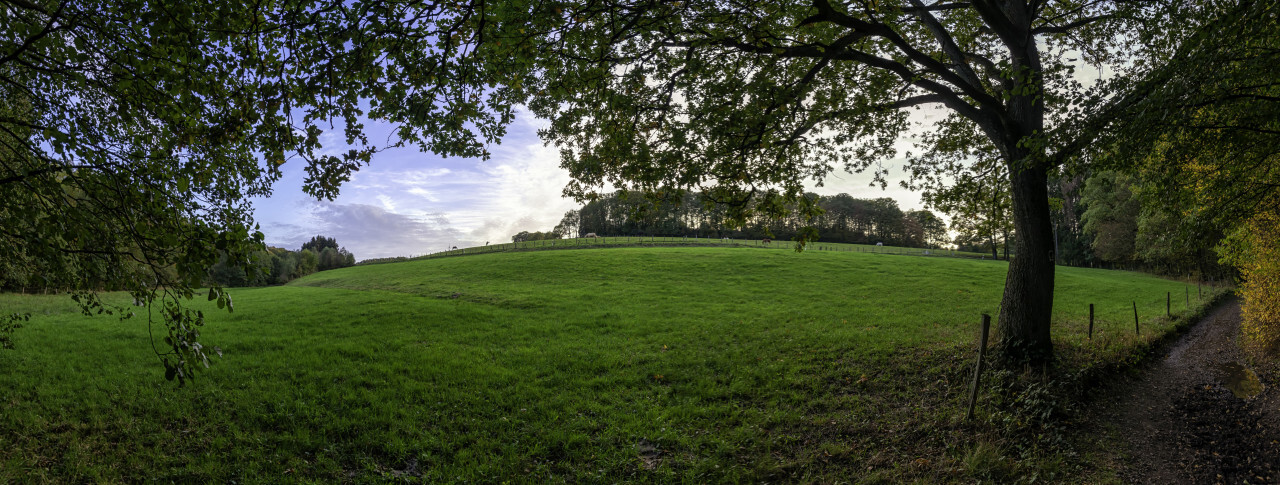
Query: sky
{"x":410,"y":203}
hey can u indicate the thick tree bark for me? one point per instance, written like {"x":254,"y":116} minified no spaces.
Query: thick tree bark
{"x":1025,"y":310}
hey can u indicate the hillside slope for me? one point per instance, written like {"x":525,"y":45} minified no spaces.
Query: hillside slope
{"x":632,"y":364}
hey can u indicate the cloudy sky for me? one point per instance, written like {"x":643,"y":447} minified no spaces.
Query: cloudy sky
{"x":408,"y":203}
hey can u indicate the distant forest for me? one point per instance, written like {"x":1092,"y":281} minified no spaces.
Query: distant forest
{"x":277,"y":266}
{"x":1102,"y":220}
{"x":844,"y":219}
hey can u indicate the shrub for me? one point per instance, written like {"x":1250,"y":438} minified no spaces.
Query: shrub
{"x":1254,"y":249}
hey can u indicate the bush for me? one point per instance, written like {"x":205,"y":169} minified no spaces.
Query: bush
{"x":1254,"y":249}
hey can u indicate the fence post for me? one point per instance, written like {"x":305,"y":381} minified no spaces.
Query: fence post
{"x":1188,"y":291}
{"x":1135,"y":319}
{"x":1168,"y":297}
{"x":977,"y":371}
{"x":1090,"y":321}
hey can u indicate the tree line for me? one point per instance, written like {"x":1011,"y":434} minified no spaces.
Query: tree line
{"x":1102,"y":218}
{"x":840,"y":218}
{"x":277,"y":266}
{"x":268,"y":266}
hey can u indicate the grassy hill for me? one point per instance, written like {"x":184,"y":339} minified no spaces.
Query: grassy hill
{"x":677,"y":241}
{"x":630,"y":364}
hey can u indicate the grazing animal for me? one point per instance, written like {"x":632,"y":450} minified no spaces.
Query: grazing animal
{"x":766,"y":241}
{"x":591,"y":234}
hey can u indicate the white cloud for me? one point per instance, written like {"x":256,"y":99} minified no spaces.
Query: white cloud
{"x":368,"y":231}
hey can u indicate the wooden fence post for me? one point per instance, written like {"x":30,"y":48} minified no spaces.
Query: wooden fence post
{"x":977,"y":371}
{"x":1135,"y":319}
{"x":1168,"y":297}
{"x":1090,"y":321}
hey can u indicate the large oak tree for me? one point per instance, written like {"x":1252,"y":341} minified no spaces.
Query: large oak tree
{"x":746,"y":100}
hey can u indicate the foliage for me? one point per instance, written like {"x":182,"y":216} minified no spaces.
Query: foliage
{"x":840,"y":218}
{"x":307,"y":263}
{"x":932,"y":231}
{"x":1074,"y":244}
{"x":276,"y":266}
{"x":319,"y":243}
{"x":968,"y":183}
{"x":8,"y":324}
{"x":1112,"y":215}
{"x":1255,"y":249}
{"x":525,"y":236}
{"x":540,"y":366}
{"x":1207,"y":144}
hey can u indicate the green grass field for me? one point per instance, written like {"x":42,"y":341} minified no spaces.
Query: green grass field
{"x":629,"y":364}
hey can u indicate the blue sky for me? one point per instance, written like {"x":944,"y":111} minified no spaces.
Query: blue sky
{"x":408,"y":203}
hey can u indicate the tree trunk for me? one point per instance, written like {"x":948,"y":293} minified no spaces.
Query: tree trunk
{"x":1028,"y":292}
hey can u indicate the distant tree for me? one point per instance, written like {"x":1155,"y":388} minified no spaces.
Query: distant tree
{"x":318,"y":244}
{"x":933,"y":230}
{"x":284,"y":265}
{"x":570,"y":224}
{"x":888,"y":221}
{"x":1112,"y":216}
{"x":524,"y":236}
{"x":329,"y":258}
{"x":979,"y":204}
{"x":1074,"y":245}
{"x":224,"y":274}
{"x":308,"y":262}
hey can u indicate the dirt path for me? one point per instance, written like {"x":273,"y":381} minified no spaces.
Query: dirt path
{"x":1183,"y":418}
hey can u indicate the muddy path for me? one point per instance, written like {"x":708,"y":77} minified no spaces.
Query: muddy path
{"x":1197,"y":414}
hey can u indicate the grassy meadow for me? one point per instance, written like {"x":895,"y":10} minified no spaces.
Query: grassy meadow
{"x":689,"y":364}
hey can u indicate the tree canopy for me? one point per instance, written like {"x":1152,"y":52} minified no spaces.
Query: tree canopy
{"x":843,"y":218}
{"x":1206,"y":147}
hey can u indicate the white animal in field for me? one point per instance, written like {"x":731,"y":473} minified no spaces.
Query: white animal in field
{"x":591,"y":234}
